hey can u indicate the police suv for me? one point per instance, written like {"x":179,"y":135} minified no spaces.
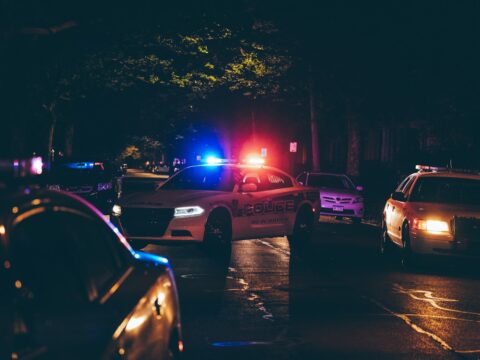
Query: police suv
{"x":217,"y":203}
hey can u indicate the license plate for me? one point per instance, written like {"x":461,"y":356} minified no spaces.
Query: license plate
{"x":337,"y":208}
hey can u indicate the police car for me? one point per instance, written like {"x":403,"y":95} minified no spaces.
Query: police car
{"x":71,"y":287}
{"x":435,"y":211}
{"x":219,"y":202}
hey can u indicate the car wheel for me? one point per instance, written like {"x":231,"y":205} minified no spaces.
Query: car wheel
{"x":218,"y":234}
{"x":138,"y":244}
{"x":303,"y":228}
{"x":386,"y":245}
{"x":407,"y":257}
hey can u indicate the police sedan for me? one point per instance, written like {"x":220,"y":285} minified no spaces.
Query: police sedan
{"x":214,"y":204}
{"x":72,"y":288}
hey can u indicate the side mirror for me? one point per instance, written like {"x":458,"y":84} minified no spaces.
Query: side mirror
{"x":248,"y":187}
{"x":359,"y":188}
{"x":398,"y":196}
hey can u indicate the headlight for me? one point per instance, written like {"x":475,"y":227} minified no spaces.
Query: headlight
{"x":53,"y":187}
{"x":116,"y":210}
{"x":433,"y":226}
{"x":357,"y":200}
{"x":188,"y":211}
{"x":104,"y":186}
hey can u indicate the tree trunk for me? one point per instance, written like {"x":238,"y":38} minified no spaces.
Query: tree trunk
{"x":69,"y":136}
{"x":51,"y":110}
{"x":354,"y":145}
{"x":313,"y":126}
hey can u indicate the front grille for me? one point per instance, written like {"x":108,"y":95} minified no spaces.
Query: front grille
{"x":467,"y":231}
{"x":343,"y":212}
{"x":146,"y":221}
{"x":337,"y":200}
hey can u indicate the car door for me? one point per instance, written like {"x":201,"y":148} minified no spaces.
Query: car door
{"x":397,"y":211}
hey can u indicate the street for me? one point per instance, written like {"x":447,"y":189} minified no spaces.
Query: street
{"x":333,"y":299}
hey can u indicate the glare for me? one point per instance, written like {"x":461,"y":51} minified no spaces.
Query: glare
{"x":116,"y":210}
{"x":36,"y":166}
{"x":255,"y":160}
{"x":211,"y":160}
{"x":135,"y":322}
{"x":433,"y":226}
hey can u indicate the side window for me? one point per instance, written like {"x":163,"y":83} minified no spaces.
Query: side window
{"x":63,"y":255}
{"x":409,"y":184}
{"x":302,"y":178}
{"x":96,"y":246}
{"x":401,"y":186}
{"x":276,"y":180}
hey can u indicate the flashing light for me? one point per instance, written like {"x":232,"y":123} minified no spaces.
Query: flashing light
{"x":255,"y":160}
{"x":80,"y":165}
{"x":36,"y":166}
{"x":212,"y":160}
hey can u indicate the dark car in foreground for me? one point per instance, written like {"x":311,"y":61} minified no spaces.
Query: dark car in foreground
{"x":72,"y":288}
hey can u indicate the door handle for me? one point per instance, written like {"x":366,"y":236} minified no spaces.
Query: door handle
{"x":157,"y":307}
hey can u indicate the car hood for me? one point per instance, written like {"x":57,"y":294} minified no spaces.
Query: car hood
{"x":338,"y":192}
{"x":445,"y":211}
{"x":167,"y":198}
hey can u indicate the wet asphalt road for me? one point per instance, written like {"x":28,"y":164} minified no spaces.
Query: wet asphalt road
{"x":333,"y":299}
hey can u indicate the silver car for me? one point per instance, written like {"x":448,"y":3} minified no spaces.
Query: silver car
{"x":338,"y":194}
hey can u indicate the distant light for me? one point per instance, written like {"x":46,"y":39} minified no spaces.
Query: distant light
{"x":36,"y":166}
{"x":211,"y":160}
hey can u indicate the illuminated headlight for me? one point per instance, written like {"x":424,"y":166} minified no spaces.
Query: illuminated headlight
{"x":433,"y":226}
{"x":104,"y":186}
{"x":116,"y":210}
{"x":53,"y":187}
{"x":188,"y":211}
{"x":357,"y":200}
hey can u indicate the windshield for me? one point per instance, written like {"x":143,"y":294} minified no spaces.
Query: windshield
{"x":215,"y":178}
{"x":447,"y":190}
{"x":330,"y":181}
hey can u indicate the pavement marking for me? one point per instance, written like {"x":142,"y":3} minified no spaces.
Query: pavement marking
{"x":252,"y":296}
{"x":431,"y":299}
{"x":279,"y":249}
{"x":414,"y":326}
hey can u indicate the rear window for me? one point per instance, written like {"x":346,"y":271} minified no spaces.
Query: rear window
{"x":446,"y":190}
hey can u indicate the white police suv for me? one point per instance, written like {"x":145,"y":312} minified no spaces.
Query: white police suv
{"x":217,"y":203}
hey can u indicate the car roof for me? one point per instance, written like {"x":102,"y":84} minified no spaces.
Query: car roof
{"x":449,"y":174}
{"x":241,"y":166}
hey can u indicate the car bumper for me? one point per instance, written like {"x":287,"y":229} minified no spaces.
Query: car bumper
{"x":347,"y":210}
{"x":179,"y":229}
{"x":443,"y":244}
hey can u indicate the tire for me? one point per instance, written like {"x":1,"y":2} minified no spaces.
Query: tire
{"x":386,"y":246}
{"x":303,"y":228}
{"x":217,"y":239}
{"x":407,"y":257}
{"x":138,"y":244}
